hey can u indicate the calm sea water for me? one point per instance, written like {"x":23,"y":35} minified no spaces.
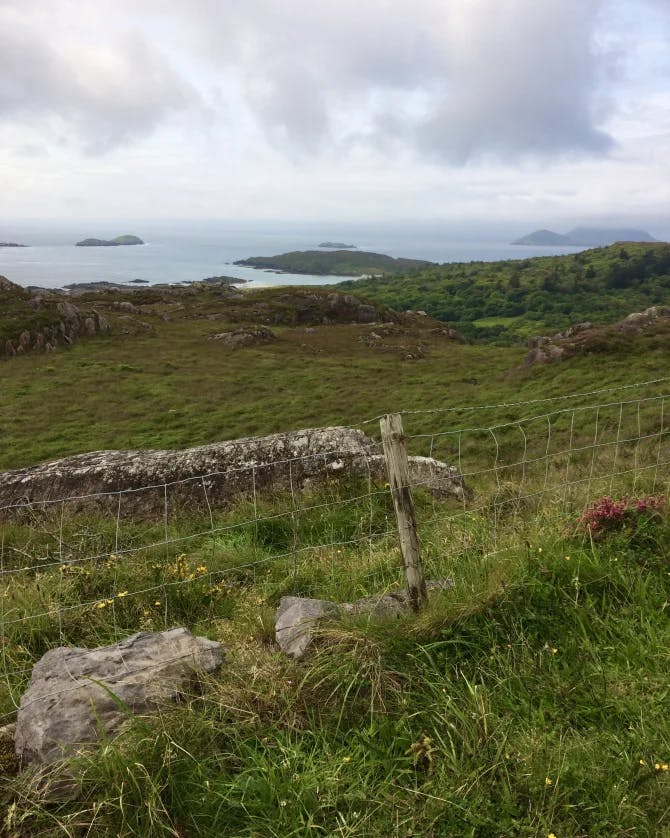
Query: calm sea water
{"x":186,"y":251}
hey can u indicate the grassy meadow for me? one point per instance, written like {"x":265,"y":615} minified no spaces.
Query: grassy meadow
{"x":167,"y":385}
{"x":528,"y":700}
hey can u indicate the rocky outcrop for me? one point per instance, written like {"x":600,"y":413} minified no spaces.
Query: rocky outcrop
{"x":146,"y":482}
{"x":249,"y":336}
{"x":297,"y":618}
{"x":583,"y":338}
{"x":77,"y":695}
{"x":640,"y":321}
{"x":49,"y":320}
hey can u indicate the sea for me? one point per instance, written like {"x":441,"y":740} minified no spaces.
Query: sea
{"x":187,"y":251}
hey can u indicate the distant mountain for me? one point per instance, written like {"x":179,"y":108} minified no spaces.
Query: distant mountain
{"x":543,"y":237}
{"x":586,"y":237}
{"x":604,"y":236}
{"x":119,"y":240}
{"x":337,"y":246}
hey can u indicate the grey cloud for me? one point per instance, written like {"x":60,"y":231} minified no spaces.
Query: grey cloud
{"x":503,"y":79}
{"x":451,"y":79}
{"x":525,"y":84}
{"x":103,"y":95}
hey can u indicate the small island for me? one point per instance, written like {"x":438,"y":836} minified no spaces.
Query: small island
{"x":12,"y":244}
{"x":117,"y":242}
{"x":337,"y":246}
{"x":334,"y":262}
{"x":585,"y":237}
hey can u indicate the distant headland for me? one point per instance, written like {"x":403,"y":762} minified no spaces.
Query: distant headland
{"x":12,"y":244}
{"x":118,"y":241}
{"x":585,"y":237}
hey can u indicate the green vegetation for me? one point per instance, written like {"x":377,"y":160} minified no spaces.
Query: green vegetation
{"x":544,"y":294}
{"x":18,"y":313}
{"x":337,"y":262}
{"x":531,"y":699}
{"x":119,"y":240}
{"x":157,"y":381}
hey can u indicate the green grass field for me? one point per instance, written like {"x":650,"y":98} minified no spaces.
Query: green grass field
{"x":529,"y":700}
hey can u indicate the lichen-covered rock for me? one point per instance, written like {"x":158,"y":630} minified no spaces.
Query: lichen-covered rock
{"x":156,"y":482}
{"x":75,"y":695}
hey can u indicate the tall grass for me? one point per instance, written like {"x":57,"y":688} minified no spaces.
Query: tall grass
{"x":529,"y":699}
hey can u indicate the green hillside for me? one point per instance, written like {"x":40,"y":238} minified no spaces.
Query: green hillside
{"x":510,"y":300}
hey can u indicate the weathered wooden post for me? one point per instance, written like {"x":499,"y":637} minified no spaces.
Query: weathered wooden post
{"x":398,"y":471}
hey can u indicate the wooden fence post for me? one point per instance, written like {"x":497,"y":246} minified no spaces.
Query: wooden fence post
{"x":398,"y":472}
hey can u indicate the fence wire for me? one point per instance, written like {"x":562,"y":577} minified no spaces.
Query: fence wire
{"x":102,"y":565}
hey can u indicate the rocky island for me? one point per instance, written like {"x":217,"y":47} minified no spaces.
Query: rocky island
{"x":12,"y":244}
{"x":118,"y":241}
{"x":335,"y":262}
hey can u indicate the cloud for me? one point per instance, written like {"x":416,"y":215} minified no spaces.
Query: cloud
{"x":104,"y":91}
{"x":520,"y":77}
{"x":443,"y":80}
{"x":457,"y":79}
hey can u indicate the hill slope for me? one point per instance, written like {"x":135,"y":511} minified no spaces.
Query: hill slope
{"x":515,"y":299}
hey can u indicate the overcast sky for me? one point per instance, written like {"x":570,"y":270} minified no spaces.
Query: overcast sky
{"x":554,"y":111}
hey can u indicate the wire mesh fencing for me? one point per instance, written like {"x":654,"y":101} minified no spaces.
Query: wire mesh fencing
{"x":91,"y":568}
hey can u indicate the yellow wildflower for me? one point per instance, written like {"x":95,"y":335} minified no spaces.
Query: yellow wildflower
{"x":201,"y":568}
{"x":158,"y":602}
{"x":548,"y":781}
{"x":346,"y":759}
{"x":121,"y":594}
{"x":100,"y":604}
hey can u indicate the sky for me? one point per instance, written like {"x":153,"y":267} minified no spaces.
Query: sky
{"x":553,"y":112}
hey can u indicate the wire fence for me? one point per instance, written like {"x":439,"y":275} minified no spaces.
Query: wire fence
{"x":95,"y":567}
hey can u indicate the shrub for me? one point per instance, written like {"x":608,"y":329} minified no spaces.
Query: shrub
{"x":607,"y":514}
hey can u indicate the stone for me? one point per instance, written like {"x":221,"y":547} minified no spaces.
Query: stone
{"x":295,"y":621}
{"x":214,"y":474}
{"x":64,"y":707}
{"x":298,"y":617}
{"x":248,"y":336}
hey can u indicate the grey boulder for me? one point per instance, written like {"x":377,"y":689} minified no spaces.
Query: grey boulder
{"x":75,"y":696}
{"x":297,"y":617}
